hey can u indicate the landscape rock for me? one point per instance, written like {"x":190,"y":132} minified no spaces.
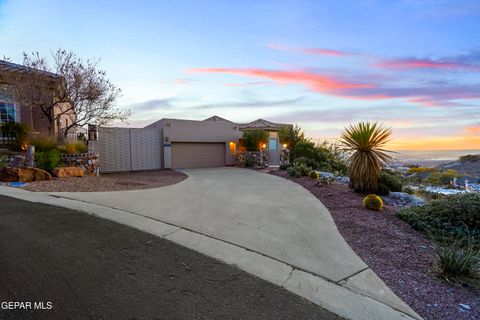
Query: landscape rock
{"x":403,"y":199}
{"x":62,"y":172}
{"x":26,"y":174}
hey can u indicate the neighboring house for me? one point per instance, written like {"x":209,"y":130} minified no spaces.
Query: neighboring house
{"x":176,"y":144}
{"x":28,"y":113}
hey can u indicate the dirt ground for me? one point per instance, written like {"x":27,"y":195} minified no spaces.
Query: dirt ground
{"x":109,"y":182}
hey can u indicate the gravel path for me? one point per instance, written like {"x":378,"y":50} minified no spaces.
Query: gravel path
{"x":109,"y":182}
{"x":401,"y":256}
{"x":90,"y":268}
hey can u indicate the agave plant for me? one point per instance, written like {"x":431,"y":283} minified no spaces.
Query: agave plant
{"x":365,"y":141}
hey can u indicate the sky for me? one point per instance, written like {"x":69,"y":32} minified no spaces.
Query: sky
{"x":412,"y":65}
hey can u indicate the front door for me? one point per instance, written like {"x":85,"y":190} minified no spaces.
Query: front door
{"x":273,"y":152}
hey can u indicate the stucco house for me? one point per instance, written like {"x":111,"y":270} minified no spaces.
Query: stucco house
{"x":28,"y":113}
{"x":178,"y":144}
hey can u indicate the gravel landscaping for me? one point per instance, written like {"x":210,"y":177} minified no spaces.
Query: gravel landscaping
{"x":401,"y":256}
{"x":109,"y":182}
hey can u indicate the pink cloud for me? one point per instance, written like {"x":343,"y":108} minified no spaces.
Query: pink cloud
{"x":315,"y":51}
{"x":413,"y":63}
{"x":473,"y":130}
{"x":314,"y":81}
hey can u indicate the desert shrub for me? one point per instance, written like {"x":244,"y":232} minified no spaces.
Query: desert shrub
{"x":442,"y":178}
{"x":47,"y":160}
{"x":391,"y":181}
{"x":313,"y":175}
{"x":3,"y":161}
{"x":43,"y":144}
{"x":284,"y":166}
{"x":409,"y":190}
{"x":306,"y":161}
{"x":453,"y":215}
{"x":326,"y":179}
{"x":305,"y":149}
{"x":253,"y":139}
{"x":291,"y":135}
{"x":73,"y":147}
{"x":294,"y":172}
{"x":382,"y":189}
{"x":420,"y":169}
{"x":458,"y":261}
{"x":373,"y":202}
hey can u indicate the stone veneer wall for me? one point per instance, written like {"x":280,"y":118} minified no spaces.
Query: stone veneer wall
{"x":252,"y":159}
{"x":86,"y":161}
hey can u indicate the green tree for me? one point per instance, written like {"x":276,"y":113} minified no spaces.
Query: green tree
{"x":365,"y":141}
{"x":291,"y":135}
{"x":254,"y":139}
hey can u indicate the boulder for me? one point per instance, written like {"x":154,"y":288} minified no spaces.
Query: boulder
{"x":62,"y":172}
{"x":26,"y":174}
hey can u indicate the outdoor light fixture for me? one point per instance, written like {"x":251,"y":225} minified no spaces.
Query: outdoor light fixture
{"x":264,"y":146}
{"x":285,"y":146}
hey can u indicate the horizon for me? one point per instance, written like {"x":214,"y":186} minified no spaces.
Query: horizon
{"x":413,"y":66}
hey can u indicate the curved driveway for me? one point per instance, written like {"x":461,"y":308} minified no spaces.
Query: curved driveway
{"x":259,"y":217}
{"x":258,"y":211}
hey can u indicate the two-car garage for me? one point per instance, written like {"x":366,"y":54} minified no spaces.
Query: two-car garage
{"x":197,"y":154}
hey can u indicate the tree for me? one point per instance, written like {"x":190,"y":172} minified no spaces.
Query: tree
{"x":291,"y":135}
{"x":71,"y":89}
{"x":366,"y":141}
{"x":254,"y":139}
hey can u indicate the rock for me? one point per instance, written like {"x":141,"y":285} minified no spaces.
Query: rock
{"x":342,"y":179}
{"x":62,"y":172}
{"x":27,"y":174}
{"x":465,"y":306}
{"x":325,"y":174}
{"x":403,"y":199}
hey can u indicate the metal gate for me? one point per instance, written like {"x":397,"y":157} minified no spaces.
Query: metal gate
{"x":127,"y":149}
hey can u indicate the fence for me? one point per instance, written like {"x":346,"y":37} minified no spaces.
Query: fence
{"x":127,"y":149}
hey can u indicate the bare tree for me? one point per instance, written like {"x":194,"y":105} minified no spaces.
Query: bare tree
{"x":72,"y":89}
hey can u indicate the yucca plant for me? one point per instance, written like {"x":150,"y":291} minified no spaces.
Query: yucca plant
{"x":365,"y":141}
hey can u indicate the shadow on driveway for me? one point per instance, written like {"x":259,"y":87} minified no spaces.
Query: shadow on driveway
{"x":90,"y":268}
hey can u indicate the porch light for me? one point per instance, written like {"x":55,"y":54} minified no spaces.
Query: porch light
{"x":284,"y":146}
{"x":264,"y":146}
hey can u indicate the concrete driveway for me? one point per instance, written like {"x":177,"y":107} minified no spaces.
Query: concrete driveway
{"x":257,"y":211}
{"x":264,"y":224}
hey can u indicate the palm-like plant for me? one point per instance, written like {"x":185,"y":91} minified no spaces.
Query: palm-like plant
{"x":365,"y":141}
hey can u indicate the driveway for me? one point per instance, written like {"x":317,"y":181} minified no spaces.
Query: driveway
{"x":257,"y":211}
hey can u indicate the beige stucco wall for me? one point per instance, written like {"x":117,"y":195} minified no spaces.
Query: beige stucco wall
{"x":176,"y":130}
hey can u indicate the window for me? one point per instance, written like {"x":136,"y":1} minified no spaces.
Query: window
{"x":7,"y":112}
{"x":272,"y":144}
{"x":233,"y":148}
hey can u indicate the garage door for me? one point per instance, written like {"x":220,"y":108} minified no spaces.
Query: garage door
{"x":197,"y":155}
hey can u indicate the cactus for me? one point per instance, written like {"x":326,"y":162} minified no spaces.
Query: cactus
{"x":313,"y":175}
{"x":373,"y":202}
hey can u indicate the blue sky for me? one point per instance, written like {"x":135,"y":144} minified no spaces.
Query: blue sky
{"x":413,"y":65}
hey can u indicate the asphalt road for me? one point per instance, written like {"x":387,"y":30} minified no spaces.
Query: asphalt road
{"x":90,"y":268}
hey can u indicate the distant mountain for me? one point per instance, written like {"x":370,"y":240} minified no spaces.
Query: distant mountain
{"x":465,"y":165}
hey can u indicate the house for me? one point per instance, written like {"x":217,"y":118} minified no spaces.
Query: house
{"x":30,"y":114}
{"x":177,"y":144}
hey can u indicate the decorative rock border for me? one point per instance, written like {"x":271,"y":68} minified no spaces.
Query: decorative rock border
{"x":86,"y":161}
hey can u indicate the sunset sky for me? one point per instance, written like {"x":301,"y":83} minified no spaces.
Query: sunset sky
{"x":413,"y":65}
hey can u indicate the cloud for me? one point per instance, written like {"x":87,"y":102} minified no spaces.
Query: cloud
{"x":439,"y":94}
{"x":314,"y":51}
{"x":473,"y":130}
{"x":153,"y":105}
{"x":250,"y":104}
{"x":315,"y":81}
{"x":248,"y":84}
{"x":465,"y":62}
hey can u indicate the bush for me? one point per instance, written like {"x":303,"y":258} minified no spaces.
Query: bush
{"x":47,"y":160}
{"x":284,"y":166}
{"x":453,"y":215}
{"x":458,"y":262}
{"x":294,"y":172}
{"x":15,"y":134}
{"x":306,"y":161}
{"x":313,"y":175}
{"x":442,"y":178}
{"x":382,"y":189}
{"x":373,"y":202}
{"x":73,"y":147}
{"x":420,"y":169}
{"x":43,"y":144}
{"x":391,"y":181}
{"x":305,"y":149}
